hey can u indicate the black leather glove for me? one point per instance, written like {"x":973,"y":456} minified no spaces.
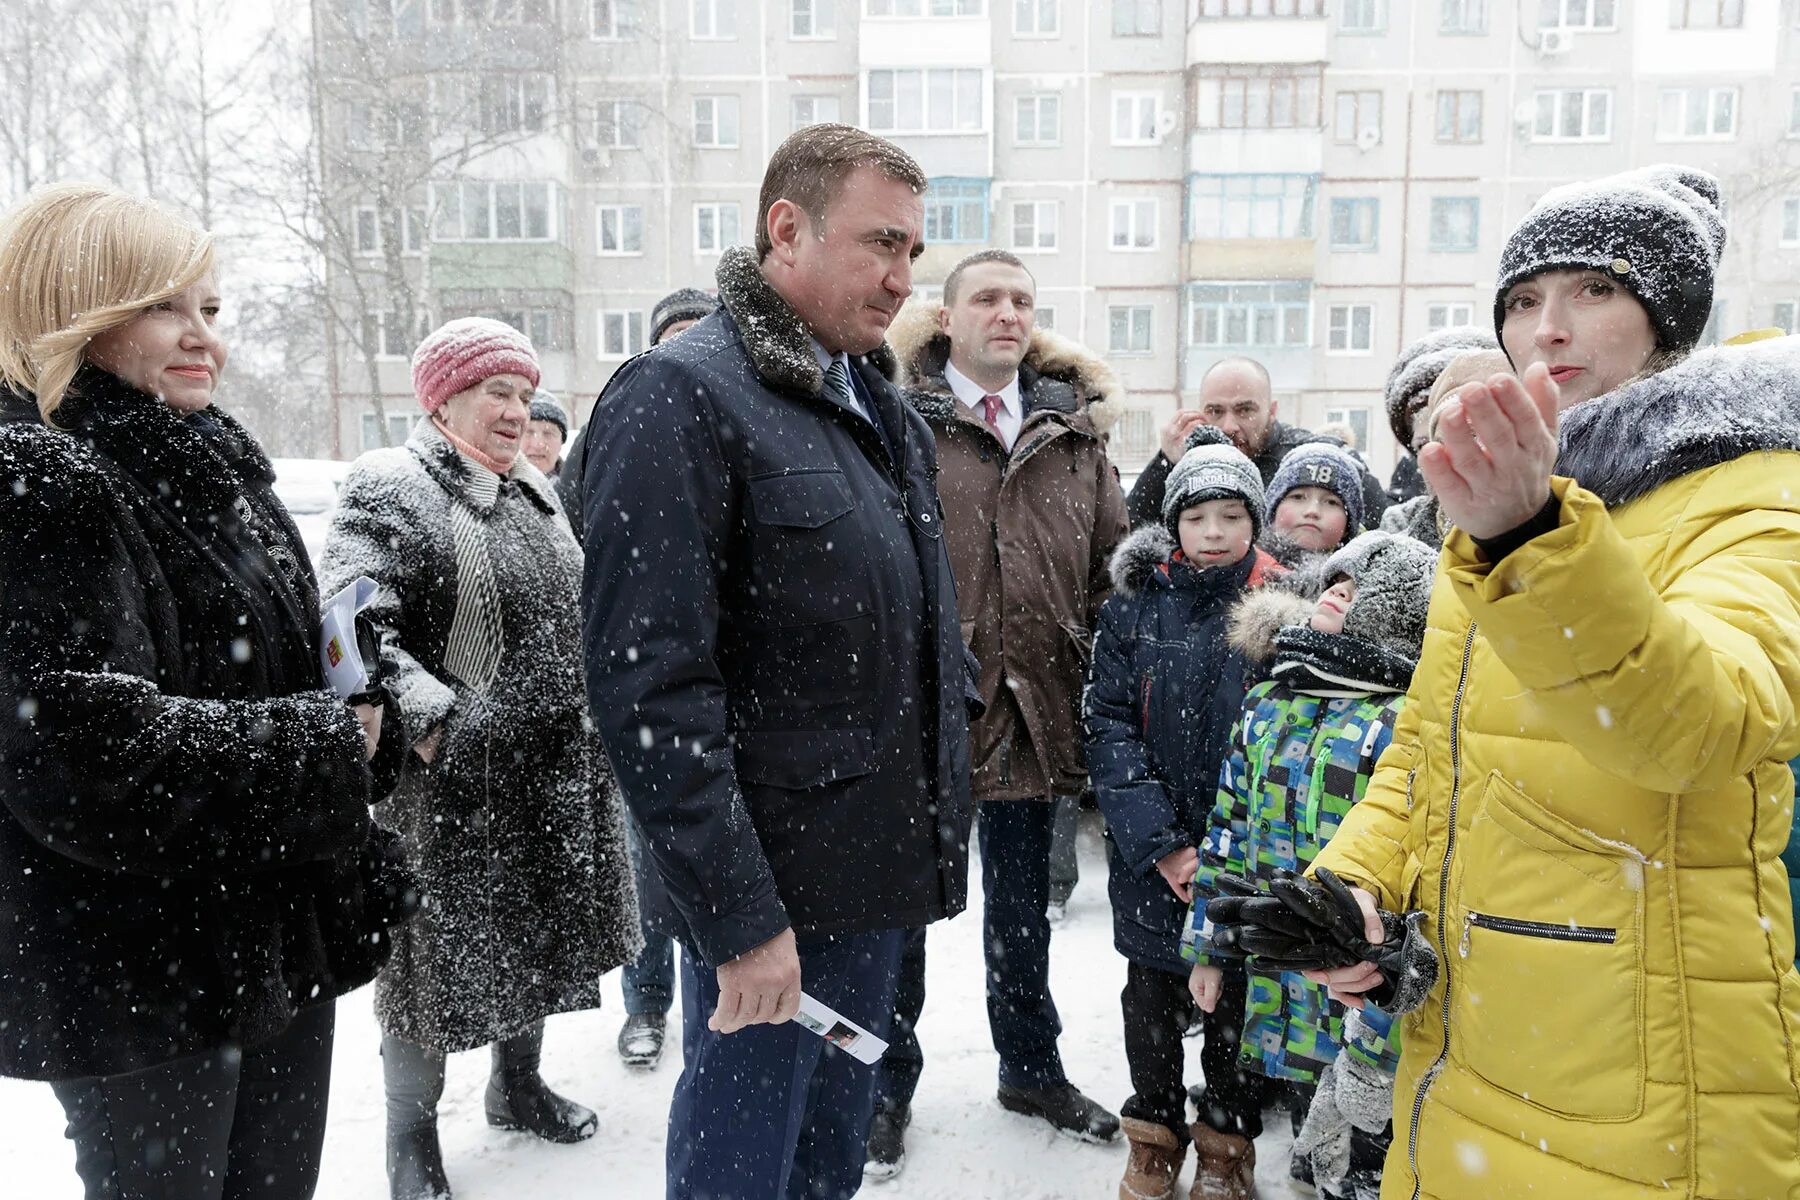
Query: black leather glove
{"x":1299,"y":925}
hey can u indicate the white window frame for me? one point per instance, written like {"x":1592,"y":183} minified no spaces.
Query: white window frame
{"x":370,"y":246}
{"x":914,"y":10}
{"x":1368,"y":204}
{"x":719,"y":109}
{"x":400,"y":427}
{"x":1142,"y":228}
{"x":383,"y":319}
{"x":1448,"y":314}
{"x":1038,"y":103}
{"x":625,"y":120}
{"x":1683,"y":98}
{"x":631,"y":329}
{"x":1789,"y":234}
{"x":1340,"y":329}
{"x":966,"y":84}
{"x":617,"y":27}
{"x":1133,"y":327}
{"x":720,"y":210}
{"x":513,"y":89}
{"x":1463,"y":18}
{"x":1360,"y":99}
{"x":1374,"y":17}
{"x":1556,"y":97}
{"x":706,"y":19}
{"x":1141,"y":27}
{"x":621,"y":215}
{"x":1257,"y":310}
{"x":1037,"y":9}
{"x":1132,"y":107}
{"x":814,"y":100}
{"x":1590,"y":18}
{"x":1457,"y":99}
{"x":819,"y":16}
{"x":1045,"y":217}
{"x":553,"y":200}
{"x":1720,"y":10}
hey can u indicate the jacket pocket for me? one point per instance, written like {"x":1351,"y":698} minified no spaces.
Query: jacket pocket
{"x":796,"y":760}
{"x":800,"y":500}
{"x":1548,"y":966}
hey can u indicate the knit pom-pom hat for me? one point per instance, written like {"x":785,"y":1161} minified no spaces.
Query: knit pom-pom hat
{"x":1212,"y":469}
{"x":1320,"y":464}
{"x":459,"y":354}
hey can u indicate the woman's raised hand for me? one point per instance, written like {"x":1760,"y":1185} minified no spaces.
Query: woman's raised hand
{"x":1490,"y":467}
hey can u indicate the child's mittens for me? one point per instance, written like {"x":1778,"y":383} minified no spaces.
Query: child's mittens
{"x":1351,"y":1093}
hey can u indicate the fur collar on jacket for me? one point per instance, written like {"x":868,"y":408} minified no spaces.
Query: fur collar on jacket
{"x":780,"y":347}
{"x":1139,"y":558}
{"x":1260,"y":615}
{"x":1716,"y":406}
{"x":1058,"y":374}
{"x":445,"y":463}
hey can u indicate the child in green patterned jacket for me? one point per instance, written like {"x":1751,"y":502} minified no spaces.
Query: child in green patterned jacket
{"x":1301,"y":754}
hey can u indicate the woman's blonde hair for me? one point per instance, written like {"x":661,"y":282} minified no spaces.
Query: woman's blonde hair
{"x":78,"y":259}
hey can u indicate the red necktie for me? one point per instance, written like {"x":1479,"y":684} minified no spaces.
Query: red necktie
{"x":990,"y":412}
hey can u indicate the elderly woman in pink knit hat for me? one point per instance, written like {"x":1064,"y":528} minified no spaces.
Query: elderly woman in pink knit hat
{"x":508,"y":806}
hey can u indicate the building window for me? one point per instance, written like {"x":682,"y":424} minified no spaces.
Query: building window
{"x":956,"y":210}
{"x":1362,"y":16}
{"x":716,"y":122}
{"x":399,"y":428}
{"x":1134,"y":435}
{"x":1462,"y":17}
{"x":1448,"y":316}
{"x":514,"y":103}
{"x":1350,"y":328}
{"x":1578,"y":14}
{"x":1786,"y":316}
{"x":367,"y":226}
{"x":546,"y":327}
{"x":1036,"y":18}
{"x":1128,"y":328}
{"x":1459,"y":116}
{"x":1135,"y":116}
{"x":1136,"y":18}
{"x":621,"y":333}
{"x":1455,"y":223}
{"x":924,"y":8}
{"x":1249,"y":315}
{"x":367,"y":230}
{"x":618,"y":125}
{"x":1251,"y":206}
{"x":1706,"y":14}
{"x":1358,"y":118}
{"x":613,"y":20}
{"x":1037,"y":119}
{"x":715,"y":227}
{"x":813,"y":110}
{"x":1790,"y":221}
{"x":812,"y":20}
{"x":489,"y":12}
{"x":1356,"y":417}
{"x":619,"y":228}
{"x":1257,"y":99}
{"x":1700,"y":114}
{"x":712,"y":20}
{"x":384,"y":335}
{"x":1134,"y":224}
{"x":1259,"y":9}
{"x":1354,"y":223}
{"x":1034,"y":224}
{"x":937,"y":100}
{"x":1044,"y":317}
{"x":472,"y":210}
{"x":1573,"y":115}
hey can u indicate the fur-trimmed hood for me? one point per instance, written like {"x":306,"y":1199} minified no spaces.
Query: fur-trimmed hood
{"x":1716,"y":406}
{"x":779,"y":345}
{"x":1259,"y":616}
{"x":1138,"y":555}
{"x":1059,"y":373}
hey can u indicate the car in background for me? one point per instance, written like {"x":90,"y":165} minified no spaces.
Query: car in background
{"x":309,"y":488}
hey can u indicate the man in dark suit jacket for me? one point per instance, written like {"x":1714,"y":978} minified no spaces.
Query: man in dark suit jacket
{"x":776,"y":667}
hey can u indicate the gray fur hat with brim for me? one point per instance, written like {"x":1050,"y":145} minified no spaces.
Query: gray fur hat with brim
{"x":1212,"y":469}
{"x":1393,"y":575}
{"x":1410,"y":380}
{"x":546,"y":407}
{"x":1657,"y":231}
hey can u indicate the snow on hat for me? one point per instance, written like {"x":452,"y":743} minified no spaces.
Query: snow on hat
{"x":1320,"y":464}
{"x":459,"y":354}
{"x":1393,"y":575}
{"x":1410,"y":380}
{"x":1658,"y":231}
{"x":682,"y":304}
{"x":1212,"y":469}
{"x":546,"y":407}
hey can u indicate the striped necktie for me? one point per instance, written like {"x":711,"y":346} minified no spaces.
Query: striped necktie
{"x":837,"y":382}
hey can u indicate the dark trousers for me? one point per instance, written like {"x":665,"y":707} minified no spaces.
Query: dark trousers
{"x":1155,"y":1005}
{"x":897,"y":1074}
{"x":1015,"y":875}
{"x":230,"y":1124}
{"x":772,"y":1112}
{"x":648,"y":981}
{"x":1237,"y":1093}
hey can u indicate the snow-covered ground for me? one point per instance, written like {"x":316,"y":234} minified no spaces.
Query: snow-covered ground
{"x":961,"y":1144}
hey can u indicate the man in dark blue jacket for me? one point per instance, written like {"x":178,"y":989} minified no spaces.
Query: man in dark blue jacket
{"x":776,"y":667}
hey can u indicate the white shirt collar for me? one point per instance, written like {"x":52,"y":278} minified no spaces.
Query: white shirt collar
{"x":970,"y":392}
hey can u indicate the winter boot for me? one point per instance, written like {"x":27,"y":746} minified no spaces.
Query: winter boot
{"x":887,"y":1142}
{"x":1225,"y":1165}
{"x":1155,"y":1161}
{"x":641,"y":1041}
{"x":415,"y":1165}
{"x":518,"y":1097}
{"x":1065,"y":1108}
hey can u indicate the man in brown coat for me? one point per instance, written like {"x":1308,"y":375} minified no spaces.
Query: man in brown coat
{"x":1032,"y":511}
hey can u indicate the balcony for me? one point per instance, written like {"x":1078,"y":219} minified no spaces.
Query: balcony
{"x":1257,"y":151}
{"x":925,"y":41}
{"x":1215,"y":41}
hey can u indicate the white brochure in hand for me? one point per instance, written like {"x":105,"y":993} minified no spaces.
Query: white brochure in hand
{"x":839,"y":1030}
{"x":338,"y":653}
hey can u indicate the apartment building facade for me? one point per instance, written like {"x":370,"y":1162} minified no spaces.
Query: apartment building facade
{"x":1312,"y":182}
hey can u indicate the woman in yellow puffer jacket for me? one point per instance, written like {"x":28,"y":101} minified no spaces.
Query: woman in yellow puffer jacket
{"x":1588,"y":792}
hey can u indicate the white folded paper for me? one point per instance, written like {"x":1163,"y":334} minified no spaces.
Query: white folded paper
{"x":338,"y":653}
{"x":839,"y":1030}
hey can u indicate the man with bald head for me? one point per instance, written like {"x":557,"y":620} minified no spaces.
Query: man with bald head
{"x":1236,"y":397}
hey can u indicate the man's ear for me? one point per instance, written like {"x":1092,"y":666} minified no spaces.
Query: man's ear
{"x":786,"y":225}
{"x":943,"y":319}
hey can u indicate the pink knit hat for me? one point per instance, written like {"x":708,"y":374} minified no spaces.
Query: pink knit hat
{"x":459,"y":354}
